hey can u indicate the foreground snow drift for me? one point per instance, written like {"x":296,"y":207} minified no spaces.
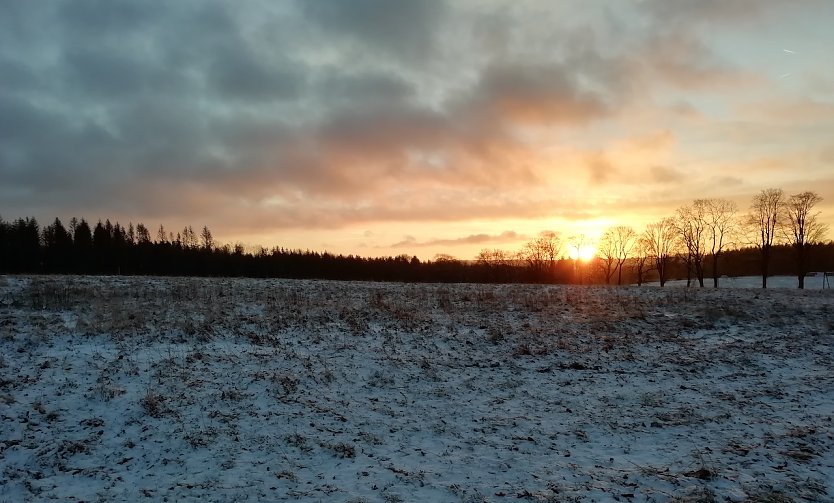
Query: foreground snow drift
{"x":261,"y":390}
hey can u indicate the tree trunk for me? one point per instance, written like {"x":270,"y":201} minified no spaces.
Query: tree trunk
{"x":715,"y":271}
{"x":699,"y":271}
{"x":800,"y":265}
{"x":661,"y":270}
{"x":765,"y":260}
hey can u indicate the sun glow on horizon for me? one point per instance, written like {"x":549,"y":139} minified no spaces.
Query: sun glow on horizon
{"x":582,"y":252}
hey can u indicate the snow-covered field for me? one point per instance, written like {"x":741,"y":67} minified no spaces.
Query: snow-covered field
{"x":145,"y":389}
{"x":816,"y":281}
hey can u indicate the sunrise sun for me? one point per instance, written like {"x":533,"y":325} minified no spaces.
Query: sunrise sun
{"x":582,"y":252}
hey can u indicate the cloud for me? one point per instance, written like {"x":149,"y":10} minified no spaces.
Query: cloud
{"x":195,"y":94}
{"x":683,"y":13}
{"x":314,"y":114}
{"x":728,"y":181}
{"x":472,"y":239}
{"x":241,"y":74}
{"x":538,"y":93}
{"x":666,"y":174}
{"x":600,"y":169}
{"x":401,"y":28}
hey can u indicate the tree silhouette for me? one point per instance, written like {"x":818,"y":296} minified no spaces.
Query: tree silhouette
{"x":691,"y":224}
{"x":82,"y":247}
{"x":614,"y":249}
{"x":721,"y":223}
{"x":57,"y":244}
{"x":765,"y":214}
{"x":660,"y":239}
{"x":803,"y":228}
{"x":207,"y":239}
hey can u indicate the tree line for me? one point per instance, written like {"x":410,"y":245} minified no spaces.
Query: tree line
{"x":707,"y":238}
{"x":693,"y":242}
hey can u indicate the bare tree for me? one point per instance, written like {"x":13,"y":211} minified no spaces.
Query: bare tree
{"x":660,"y":239}
{"x":541,"y":253}
{"x":721,"y":221}
{"x":497,"y":262}
{"x":765,"y":214}
{"x":484,"y":257}
{"x":614,"y":249}
{"x":626,"y":239}
{"x":803,"y":228}
{"x":607,"y":251}
{"x":494,"y":258}
{"x":691,"y":224}
{"x":641,"y":258}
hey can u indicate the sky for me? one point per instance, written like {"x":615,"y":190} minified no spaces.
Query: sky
{"x":376,"y":127}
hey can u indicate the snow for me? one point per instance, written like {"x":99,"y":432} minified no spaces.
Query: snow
{"x":813,"y":281}
{"x":126,"y":389}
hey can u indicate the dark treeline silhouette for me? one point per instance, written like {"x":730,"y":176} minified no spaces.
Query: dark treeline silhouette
{"x":112,"y":249}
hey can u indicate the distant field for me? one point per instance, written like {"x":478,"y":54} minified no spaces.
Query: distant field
{"x":142,"y":389}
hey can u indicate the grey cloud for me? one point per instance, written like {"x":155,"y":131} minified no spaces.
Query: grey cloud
{"x":665,"y":174}
{"x":685,"y":61}
{"x":82,"y":17}
{"x":17,"y":76}
{"x":600,"y":169}
{"x":684,"y":13}
{"x":504,"y":237}
{"x":240,"y":73}
{"x":389,"y":126}
{"x":21,"y":120}
{"x":404,"y":28}
{"x":355,"y":89}
{"x":724,"y":181}
{"x":108,"y":75}
{"x":539,"y":93}
{"x":188,"y":96}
